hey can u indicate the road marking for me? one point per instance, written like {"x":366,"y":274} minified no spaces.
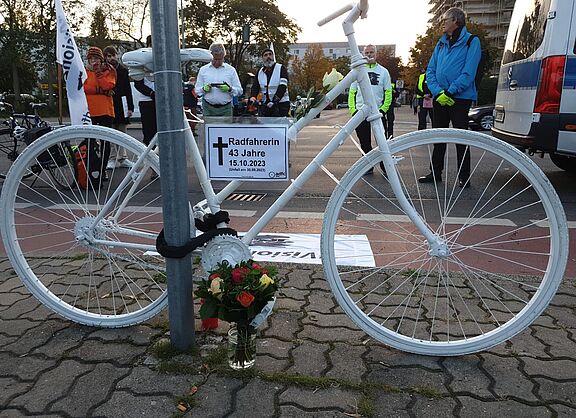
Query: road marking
{"x":546,"y":224}
{"x":300,"y":215}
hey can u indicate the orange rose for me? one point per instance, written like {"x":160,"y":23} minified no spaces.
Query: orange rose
{"x":245,"y":298}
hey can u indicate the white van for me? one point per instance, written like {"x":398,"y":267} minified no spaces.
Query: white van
{"x":535,"y":107}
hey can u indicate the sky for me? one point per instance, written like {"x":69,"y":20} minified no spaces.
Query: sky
{"x":388,"y":22}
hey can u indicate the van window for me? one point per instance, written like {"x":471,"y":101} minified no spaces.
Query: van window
{"x":526,"y":30}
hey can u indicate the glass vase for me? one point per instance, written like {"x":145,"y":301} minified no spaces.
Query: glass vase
{"x":241,"y":347}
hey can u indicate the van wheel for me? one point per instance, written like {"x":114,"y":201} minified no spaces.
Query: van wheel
{"x":564,"y":162}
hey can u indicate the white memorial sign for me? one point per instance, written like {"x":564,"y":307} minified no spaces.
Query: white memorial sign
{"x":256,"y":152}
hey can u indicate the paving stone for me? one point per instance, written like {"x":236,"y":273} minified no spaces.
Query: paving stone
{"x":288,"y":304}
{"x":523,"y":344}
{"x":545,"y":320}
{"x":42,"y":313}
{"x":5,"y":340}
{"x":283,"y":325}
{"x":331,"y":334}
{"x":90,"y":389}
{"x":138,"y":334}
{"x":335,"y":398}
{"x":51,"y":385}
{"x":293,"y":293}
{"x":322,"y":302}
{"x":35,"y":337}
{"x":215,"y":397}
{"x":270,"y":364}
{"x":20,"y":308}
{"x":566,"y":317}
{"x":143,"y":381}
{"x":554,"y":369}
{"x":9,"y":298}
{"x":62,"y":341}
{"x":425,"y":407}
{"x":9,"y":388}
{"x":124,"y":404}
{"x":290,"y":411}
{"x":408,"y":378}
{"x":274,"y":346}
{"x":557,"y":340}
{"x":255,"y":389}
{"x":320,"y":284}
{"x":328,"y":320}
{"x":298,"y":279}
{"x":564,"y":299}
{"x":24,"y":368}
{"x":473,"y":408}
{"x":14,"y":413}
{"x":309,"y":359}
{"x":557,"y":391}
{"x":12,"y":284}
{"x":467,"y":376}
{"x":564,"y":411}
{"x":16,"y":327}
{"x":378,"y":353}
{"x":123,"y":354}
{"x":347,"y":362}
{"x":393,"y":405}
{"x":509,"y":380}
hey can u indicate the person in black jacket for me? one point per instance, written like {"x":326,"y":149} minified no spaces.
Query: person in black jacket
{"x":147,"y":104}
{"x":123,"y":106}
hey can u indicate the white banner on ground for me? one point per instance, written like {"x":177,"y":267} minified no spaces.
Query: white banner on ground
{"x":350,"y":250}
{"x":68,"y":56}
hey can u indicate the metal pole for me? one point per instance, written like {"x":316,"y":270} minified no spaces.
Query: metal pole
{"x":182,"y":23}
{"x":174,"y":179}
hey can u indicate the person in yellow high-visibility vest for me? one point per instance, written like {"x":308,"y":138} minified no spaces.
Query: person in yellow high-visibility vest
{"x":425,"y":102}
{"x":382,"y":89}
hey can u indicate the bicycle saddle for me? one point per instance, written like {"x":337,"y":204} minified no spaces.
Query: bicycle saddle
{"x":140,"y":62}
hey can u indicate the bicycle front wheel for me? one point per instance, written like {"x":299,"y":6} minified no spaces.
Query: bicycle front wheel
{"x":86,"y":253}
{"x":503,"y":227}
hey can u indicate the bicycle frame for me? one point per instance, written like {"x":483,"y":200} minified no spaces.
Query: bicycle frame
{"x":369,"y":112}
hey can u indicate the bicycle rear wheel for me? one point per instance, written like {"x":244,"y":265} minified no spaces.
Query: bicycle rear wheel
{"x":92,"y":272}
{"x":506,"y":236}
{"x":10,"y":149}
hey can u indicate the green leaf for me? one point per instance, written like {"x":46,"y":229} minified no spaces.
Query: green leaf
{"x":208,"y":309}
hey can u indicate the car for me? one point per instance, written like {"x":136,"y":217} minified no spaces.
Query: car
{"x":536,"y":94}
{"x":481,"y":118}
{"x":343,"y":105}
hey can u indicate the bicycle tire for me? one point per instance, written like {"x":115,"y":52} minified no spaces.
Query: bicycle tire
{"x":507,"y":235}
{"x":44,"y":227}
{"x":10,"y":149}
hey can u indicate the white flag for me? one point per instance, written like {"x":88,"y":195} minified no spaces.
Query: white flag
{"x":68,"y":56}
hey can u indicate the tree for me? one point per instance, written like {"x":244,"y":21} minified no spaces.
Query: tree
{"x":308,"y":72}
{"x":342,"y":64}
{"x":393,"y":64}
{"x":98,"y":29}
{"x":127,"y":18}
{"x":199,"y":23}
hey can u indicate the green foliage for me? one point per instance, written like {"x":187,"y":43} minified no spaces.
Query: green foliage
{"x":237,"y":293}
{"x":307,"y":73}
{"x":98,"y":29}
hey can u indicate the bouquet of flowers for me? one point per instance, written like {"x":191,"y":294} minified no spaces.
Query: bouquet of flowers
{"x":241,"y":294}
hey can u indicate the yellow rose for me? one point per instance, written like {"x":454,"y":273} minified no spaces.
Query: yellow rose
{"x":265,"y":280}
{"x":331,"y":79}
{"x":215,"y":287}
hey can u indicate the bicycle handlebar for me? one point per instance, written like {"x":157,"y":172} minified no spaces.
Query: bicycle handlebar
{"x":336,"y":14}
{"x":362,"y":8}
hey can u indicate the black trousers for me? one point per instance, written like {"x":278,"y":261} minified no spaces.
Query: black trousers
{"x":388,"y":121}
{"x":457,"y":114}
{"x":423,"y":114}
{"x":107,"y":121}
{"x":148,"y":118}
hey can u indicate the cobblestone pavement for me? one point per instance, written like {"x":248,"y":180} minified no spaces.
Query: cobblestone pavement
{"x":312,"y":362}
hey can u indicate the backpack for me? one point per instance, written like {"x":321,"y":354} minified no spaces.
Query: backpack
{"x":481,"y":69}
{"x":89,"y":165}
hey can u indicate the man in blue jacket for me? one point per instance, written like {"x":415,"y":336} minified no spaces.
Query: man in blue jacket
{"x":450,"y":76}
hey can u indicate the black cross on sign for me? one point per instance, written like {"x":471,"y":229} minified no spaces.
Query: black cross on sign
{"x":220,"y":145}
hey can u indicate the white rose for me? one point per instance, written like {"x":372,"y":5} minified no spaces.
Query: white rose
{"x":331,"y":79}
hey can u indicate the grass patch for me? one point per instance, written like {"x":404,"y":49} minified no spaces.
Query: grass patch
{"x":187,"y":400}
{"x":160,"y":278}
{"x":164,"y":350}
{"x":78,"y":257}
{"x":365,"y":406}
{"x":217,"y":358}
{"x":428,"y":392}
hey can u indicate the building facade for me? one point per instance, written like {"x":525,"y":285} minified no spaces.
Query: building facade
{"x":332,"y":50}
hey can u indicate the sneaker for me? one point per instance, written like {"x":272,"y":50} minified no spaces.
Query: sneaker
{"x":126,"y":163}
{"x":111,"y":165}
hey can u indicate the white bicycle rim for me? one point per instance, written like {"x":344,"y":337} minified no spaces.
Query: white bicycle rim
{"x":507,"y":235}
{"x":43,"y":225}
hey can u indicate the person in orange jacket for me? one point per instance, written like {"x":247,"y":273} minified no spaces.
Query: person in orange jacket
{"x":99,"y":89}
